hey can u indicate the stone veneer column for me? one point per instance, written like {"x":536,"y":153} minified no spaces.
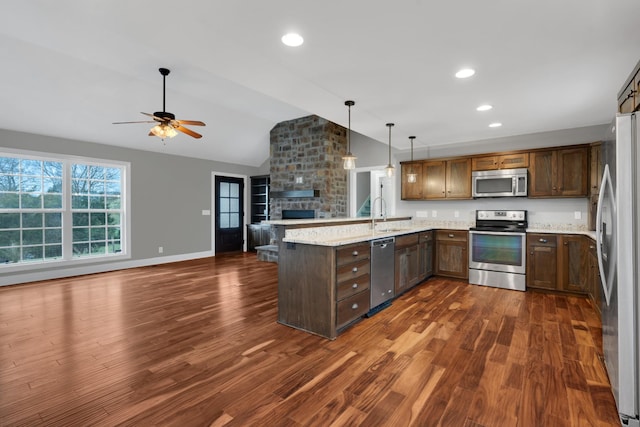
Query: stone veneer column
{"x":310,"y":148}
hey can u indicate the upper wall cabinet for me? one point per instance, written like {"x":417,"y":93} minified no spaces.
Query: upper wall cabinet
{"x":629,"y":97}
{"x":500,"y":161}
{"x":437,"y":179}
{"x":559,"y":173}
{"x":411,"y":190}
{"x":447,"y":179}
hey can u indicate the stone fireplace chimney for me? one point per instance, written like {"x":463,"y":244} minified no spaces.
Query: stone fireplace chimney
{"x":306,"y":155}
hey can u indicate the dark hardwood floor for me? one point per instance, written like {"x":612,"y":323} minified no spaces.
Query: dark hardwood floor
{"x":196,"y":344}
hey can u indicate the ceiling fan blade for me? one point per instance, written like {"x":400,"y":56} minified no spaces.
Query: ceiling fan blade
{"x":187,"y":131}
{"x":191,"y":122}
{"x":156,"y":118}
{"x":124,"y":123}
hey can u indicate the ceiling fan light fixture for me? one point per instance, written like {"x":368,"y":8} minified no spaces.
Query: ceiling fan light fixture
{"x":349,"y":160}
{"x":163,"y":130}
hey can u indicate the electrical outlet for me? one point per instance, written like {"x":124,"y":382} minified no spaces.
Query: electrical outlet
{"x":422,"y":214}
{"x":456,"y":214}
{"x":434,"y":214}
{"x":160,"y":249}
{"x":577,"y":215}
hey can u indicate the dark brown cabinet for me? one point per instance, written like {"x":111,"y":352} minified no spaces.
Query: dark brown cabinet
{"x":452,"y":258}
{"x":425,"y":253}
{"x":258,"y":235}
{"x":407,"y":262}
{"x":542,"y":261}
{"x":323,"y":289}
{"x":500,"y":161}
{"x":573,"y":263}
{"x":559,"y":173}
{"x":447,"y":179}
{"x":411,"y":190}
{"x":629,"y":97}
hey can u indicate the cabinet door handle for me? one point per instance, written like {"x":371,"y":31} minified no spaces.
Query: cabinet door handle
{"x":566,"y":243}
{"x":354,"y":269}
{"x":451,"y":236}
{"x":354,"y":286}
{"x":543,"y":240}
{"x":591,"y":246}
{"x":354,"y":253}
{"x":354,"y":306}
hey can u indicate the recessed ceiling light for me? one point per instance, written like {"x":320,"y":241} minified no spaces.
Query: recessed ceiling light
{"x":292,"y":39}
{"x":484,"y":107}
{"x":495,"y":125}
{"x":465,"y":73}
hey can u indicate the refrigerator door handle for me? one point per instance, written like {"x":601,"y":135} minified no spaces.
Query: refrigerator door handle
{"x":605,"y":186}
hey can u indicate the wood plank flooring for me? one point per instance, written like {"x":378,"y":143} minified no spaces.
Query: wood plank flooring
{"x":197,"y":344}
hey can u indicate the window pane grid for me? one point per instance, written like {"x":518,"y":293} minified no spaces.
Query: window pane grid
{"x":32,"y":209}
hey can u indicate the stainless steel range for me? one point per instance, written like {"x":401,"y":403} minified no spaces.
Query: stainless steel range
{"x":497,"y":249}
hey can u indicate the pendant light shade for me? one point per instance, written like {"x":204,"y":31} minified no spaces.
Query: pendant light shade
{"x":349,"y":160}
{"x":390,"y":170}
{"x":411,"y":176}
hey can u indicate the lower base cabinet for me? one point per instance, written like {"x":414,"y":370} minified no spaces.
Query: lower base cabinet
{"x":425,"y":253}
{"x":542,"y":261}
{"x":452,"y":258}
{"x":407,"y":262}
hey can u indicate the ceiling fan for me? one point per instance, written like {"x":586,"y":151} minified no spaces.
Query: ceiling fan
{"x":166,"y":123}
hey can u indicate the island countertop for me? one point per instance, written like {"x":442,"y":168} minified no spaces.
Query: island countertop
{"x":356,"y":233}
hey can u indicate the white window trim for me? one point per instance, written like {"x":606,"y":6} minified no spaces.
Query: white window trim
{"x":125,"y":232}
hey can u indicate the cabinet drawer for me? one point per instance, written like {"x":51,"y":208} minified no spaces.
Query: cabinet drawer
{"x":426,"y":236}
{"x":452,"y":235}
{"x":353,"y":270}
{"x":406,"y":240}
{"x":542,"y":240}
{"x":352,"y":253}
{"x":353,"y":307}
{"x":352,"y":286}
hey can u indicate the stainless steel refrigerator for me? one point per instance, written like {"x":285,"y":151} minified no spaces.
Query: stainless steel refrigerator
{"x":618,"y":244}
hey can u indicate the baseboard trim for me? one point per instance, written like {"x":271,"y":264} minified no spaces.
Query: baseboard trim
{"x":35,"y":276}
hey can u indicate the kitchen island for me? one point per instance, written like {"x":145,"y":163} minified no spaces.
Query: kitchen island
{"x":324,"y":273}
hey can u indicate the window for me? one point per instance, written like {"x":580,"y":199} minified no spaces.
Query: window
{"x":60,"y":209}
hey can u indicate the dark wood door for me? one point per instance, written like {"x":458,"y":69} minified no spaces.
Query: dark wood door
{"x":574,"y":263}
{"x":542,"y":261}
{"x":434,"y":175}
{"x":459,"y":179}
{"x":541,"y":171}
{"x":572,"y":172}
{"x":229,"y":214}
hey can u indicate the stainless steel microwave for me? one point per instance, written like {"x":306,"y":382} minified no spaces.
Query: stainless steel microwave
{"x":500,"y":183}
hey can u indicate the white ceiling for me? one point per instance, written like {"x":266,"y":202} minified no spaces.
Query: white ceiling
{"x":72,"y":67}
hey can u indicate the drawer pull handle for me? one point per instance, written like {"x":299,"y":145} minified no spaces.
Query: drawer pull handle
{"x":354,"y":286}
{"x":354,"y":253}
{"x":451,"y":235}
{"x":354,"y":306}
{"x":355,"y":269}
{"x":543,"y":240}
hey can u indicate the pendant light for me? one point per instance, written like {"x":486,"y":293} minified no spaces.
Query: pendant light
{"x":390,"y":170}
{"x":411,"y":176}
{"x":349,"y":160}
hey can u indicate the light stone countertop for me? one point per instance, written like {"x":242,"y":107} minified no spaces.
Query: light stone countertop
{"x":358,"y":233}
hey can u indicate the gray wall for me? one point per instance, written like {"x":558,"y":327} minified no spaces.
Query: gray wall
{"x":168,"y":193}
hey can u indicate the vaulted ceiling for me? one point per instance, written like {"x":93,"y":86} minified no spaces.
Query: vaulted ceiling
{"x":70,"y":68}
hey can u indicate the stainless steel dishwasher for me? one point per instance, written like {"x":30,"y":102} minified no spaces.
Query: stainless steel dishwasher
{"x":382,"y":273}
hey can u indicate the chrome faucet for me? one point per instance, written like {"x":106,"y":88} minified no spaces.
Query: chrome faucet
{"x":383,"y":214}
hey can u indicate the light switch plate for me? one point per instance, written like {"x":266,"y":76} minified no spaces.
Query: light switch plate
{"x":422,"y":214}
{"x":434,"y":214}
{"x":577,"y":215}
{"x":206,"y":212}
{"x":456,"y":214}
